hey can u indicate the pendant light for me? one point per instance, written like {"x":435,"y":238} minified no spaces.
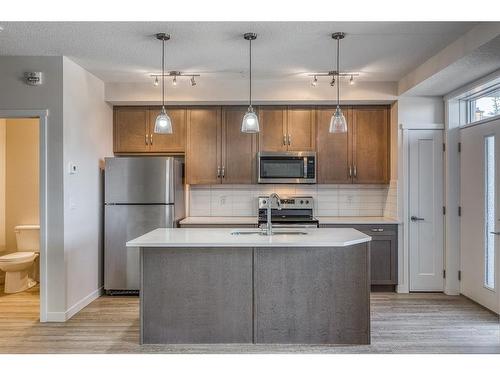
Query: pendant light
{"x":163,"y":123}
{"x":338,"y":123}
{"x":250,"y":123}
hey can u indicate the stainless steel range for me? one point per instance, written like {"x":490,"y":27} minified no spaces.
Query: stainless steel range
{"x":290,"y":212}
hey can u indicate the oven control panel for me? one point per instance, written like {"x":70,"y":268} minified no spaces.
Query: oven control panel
{"x":295,"y":202}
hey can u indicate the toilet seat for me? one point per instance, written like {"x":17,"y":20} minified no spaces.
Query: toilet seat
{"x":19,"y":256}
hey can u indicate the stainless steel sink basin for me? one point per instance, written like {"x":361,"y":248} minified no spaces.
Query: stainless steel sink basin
{"x":263,"y":233}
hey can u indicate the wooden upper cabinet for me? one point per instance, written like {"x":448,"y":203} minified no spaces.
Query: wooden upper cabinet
{"x":272,"y":122}
{"x":238,"y":149}
{"x":130,"y":129}
{"x":301,"y":135}
{"x":333,"y":150}
{"x":168,"y":143}
{"x":203,"y":155}
{"x":370,"y":145}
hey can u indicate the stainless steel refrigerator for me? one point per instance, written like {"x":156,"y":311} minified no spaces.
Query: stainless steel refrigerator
{"x":141,"y":194}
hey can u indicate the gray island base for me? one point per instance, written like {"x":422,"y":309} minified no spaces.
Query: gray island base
{"x":283,"y":291}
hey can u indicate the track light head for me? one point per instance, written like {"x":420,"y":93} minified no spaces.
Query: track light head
{"x":193,"y":81}
{"x":314,"y":82}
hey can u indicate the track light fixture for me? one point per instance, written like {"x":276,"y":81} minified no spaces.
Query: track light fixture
{"x":175,"y":75}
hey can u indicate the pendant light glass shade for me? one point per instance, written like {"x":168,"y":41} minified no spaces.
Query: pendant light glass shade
{"x":250,"y":123}
{"x":338,"y":124}
{"x":163,"y":124}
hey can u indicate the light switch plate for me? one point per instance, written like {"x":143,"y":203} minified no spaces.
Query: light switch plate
{"x":73,"y":168}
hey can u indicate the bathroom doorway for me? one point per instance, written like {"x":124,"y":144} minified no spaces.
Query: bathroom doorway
{"x":21,"y":208}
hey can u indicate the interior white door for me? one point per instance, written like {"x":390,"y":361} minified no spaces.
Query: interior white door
{"x":479,"y":188}
{"x":425,"y":210}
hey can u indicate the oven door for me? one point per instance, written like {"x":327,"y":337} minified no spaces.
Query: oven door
{"x":286,"y":168}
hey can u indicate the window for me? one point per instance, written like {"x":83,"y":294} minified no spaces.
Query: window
{"x":483,"y":105}
{"x":489,"y":210}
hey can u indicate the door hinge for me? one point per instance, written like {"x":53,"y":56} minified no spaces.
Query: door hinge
{"x":444,"y":210}
{"x":459,"y":275}
{"x":459,"y":210}
{"x":444,"y":274}
{"x":444,"y":147}
{"x":459,"y":146}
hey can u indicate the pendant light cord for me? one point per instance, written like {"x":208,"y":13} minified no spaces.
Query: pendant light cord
{"x":250,"y":72}
{"x":338,"y":73}
{"x":163,"y":73}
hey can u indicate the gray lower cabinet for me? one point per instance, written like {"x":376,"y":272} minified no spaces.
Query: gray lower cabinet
{"x":383,"y":252}
{"x":197,"y":295}
{"x":312,"y":295}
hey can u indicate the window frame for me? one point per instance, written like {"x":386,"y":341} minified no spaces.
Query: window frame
{"x":468,"y":102}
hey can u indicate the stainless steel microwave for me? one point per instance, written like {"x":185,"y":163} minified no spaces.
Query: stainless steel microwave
{"x":286,"y":167}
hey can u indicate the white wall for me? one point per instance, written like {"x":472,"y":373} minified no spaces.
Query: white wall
{"x":88,"y":138}
{"x":16,"y":95}
{"x":219,"y":90}
{"x":419,"y":110}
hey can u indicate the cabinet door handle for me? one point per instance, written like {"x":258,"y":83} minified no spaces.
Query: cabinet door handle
{"x":146,"y":139}
{"x":151,"y":139}
{"x":223,"y":171}
{"x":355,"y":171}
{"x":218,"y":171}
{"x":284,"y":140}
{"x":289,"y":139}
{"x":350,"y":171}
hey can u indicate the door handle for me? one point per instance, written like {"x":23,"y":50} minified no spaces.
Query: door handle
{"x":415,"y":218}
{"x":495,"y":233}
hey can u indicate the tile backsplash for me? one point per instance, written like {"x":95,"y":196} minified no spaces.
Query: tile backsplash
{"x":329,"y":200}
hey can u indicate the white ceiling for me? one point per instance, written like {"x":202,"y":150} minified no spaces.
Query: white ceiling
{"x":128,"y":51}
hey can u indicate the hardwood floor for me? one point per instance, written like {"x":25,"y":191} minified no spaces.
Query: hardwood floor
{"x":401,"y":323}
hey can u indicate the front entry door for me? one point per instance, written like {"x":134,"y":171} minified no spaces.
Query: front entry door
{"x":479,"y":224}
{"x":426,"y":210}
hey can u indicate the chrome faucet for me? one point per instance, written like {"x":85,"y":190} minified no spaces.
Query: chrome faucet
{"x":269,"y":224}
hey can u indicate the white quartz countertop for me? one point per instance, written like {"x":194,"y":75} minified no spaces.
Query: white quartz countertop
{"x":222,"y":237}
{"x":252,"y":220}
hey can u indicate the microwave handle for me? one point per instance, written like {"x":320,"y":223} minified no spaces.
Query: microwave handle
{"x":305,"y":166}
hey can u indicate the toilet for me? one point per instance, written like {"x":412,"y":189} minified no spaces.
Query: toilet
{"x":20,"y":267}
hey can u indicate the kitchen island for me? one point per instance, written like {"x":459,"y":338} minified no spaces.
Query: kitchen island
{"x":218,"y":286}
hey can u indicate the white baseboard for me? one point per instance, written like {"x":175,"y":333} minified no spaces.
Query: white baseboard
{"x":62,"y":316}
{"x":402,"y":289}
{"x":84,"y":302}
